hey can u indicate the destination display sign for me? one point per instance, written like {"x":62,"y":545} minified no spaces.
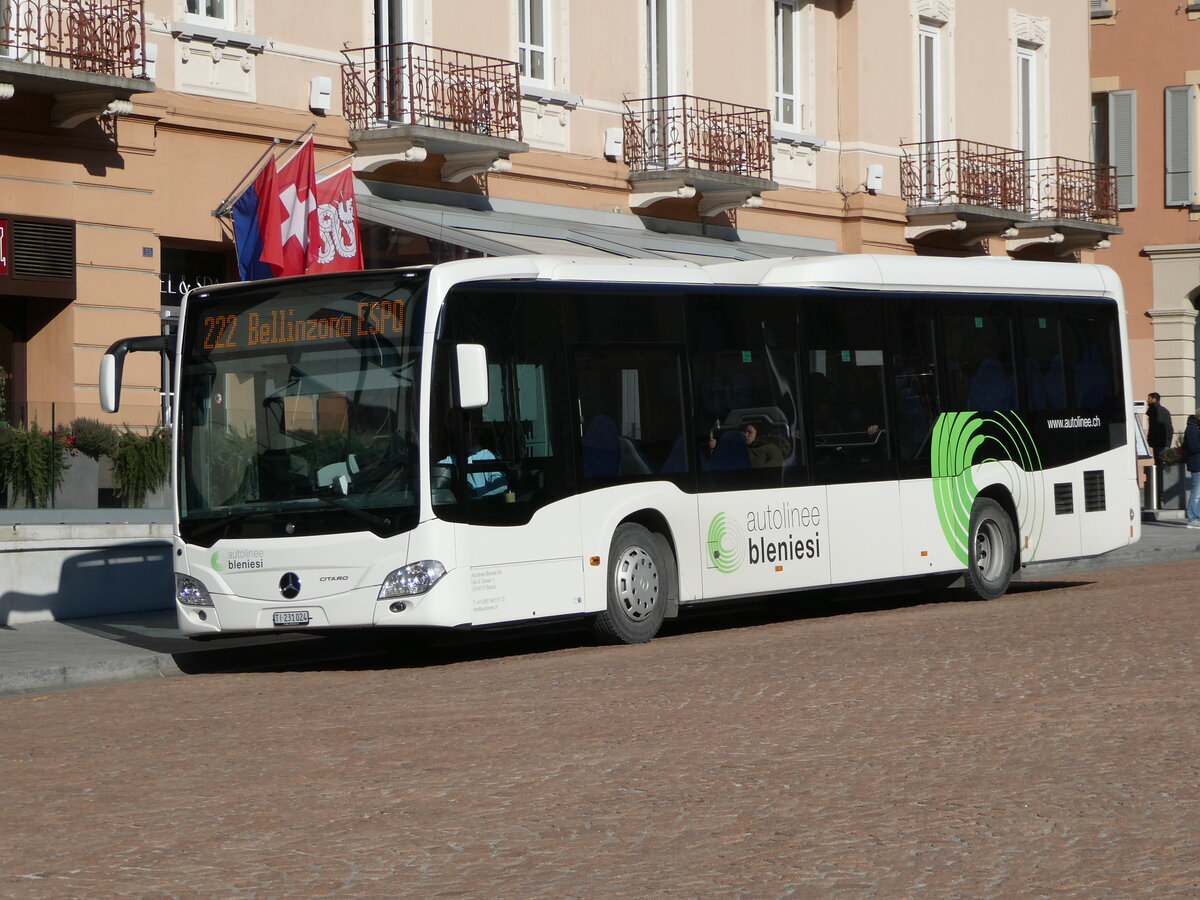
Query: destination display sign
{"x":274,"y":327}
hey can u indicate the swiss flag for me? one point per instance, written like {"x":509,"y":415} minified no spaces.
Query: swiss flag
{"x":294,"y":206}
{"x":333,"y":244}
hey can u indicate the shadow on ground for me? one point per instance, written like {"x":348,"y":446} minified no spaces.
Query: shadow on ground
{"x":385,"y":649}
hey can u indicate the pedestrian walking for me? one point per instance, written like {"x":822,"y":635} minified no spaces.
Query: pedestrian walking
{"x":1159,"y":432}
{"x":1191,"y":446}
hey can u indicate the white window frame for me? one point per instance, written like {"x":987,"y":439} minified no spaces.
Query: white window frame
{"x":228,"y":18}
{"x":529,"y":12}
{"x":393,"y":26}
{"x":659,"y":72}
{"x":789,"y":64}
{"x":1030,"y":133}
{"x":393,"y":22}
{"x":930,"y":79}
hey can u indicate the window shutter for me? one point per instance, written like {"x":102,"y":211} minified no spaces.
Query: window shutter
{"x":1101,"y":9}
{"x":1122,"y":145}
{"x":1178,"y":144}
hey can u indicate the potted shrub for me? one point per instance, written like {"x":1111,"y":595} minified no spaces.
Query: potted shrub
{"x":141,"y":464}
{"x":90,"y":441}
{"x":32,"y":463}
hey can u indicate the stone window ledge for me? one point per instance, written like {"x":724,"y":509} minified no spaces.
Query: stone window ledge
{"x":549,"y":96}
{"x":796,"y":138}
{"x":218,"y":37}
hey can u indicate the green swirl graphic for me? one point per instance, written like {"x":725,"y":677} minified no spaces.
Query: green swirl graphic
{"x":725,"y":544}
{"x":216,"y":562}
{"x":963,"y":440}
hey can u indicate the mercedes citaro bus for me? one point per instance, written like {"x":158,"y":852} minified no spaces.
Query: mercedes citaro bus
{"x":504,"y":440}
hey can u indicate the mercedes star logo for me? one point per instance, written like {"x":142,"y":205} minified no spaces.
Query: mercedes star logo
{"x":289,"y":585}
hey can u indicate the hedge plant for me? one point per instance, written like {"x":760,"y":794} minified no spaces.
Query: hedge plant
{"x":32,"y":463}
{"x":141,"y":463}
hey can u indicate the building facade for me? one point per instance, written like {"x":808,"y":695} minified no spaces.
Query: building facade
{"x":1145,"y":84}
{"x":692,"y":129}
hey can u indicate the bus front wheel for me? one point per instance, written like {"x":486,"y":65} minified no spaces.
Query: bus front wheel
{"x":637,"y":587}
{"x":991,"y":548}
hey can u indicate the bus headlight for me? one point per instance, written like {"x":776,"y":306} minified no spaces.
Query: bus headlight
{"x":415,"y":578}
{"x":190,"y":592}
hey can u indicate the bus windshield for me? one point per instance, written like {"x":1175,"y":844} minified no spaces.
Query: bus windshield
{"x":297,"y":407}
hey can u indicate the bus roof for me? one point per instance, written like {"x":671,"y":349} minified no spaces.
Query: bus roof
{"x":982,"y":274}
{"x":573,"y":268}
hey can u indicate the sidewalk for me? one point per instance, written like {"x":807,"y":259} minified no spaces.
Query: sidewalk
{"x":44,"y":656}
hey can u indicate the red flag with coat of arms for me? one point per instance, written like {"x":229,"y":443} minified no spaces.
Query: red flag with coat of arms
{"x":295,"y":205}
{"x":333,"y":244}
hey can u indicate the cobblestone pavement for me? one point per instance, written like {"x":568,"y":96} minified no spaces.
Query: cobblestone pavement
{"x":1041,"y":745}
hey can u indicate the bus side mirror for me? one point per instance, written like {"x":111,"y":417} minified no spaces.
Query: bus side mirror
{"x":113,"y":362}
{"x":472,"y":375}
{"x":110,"y":383}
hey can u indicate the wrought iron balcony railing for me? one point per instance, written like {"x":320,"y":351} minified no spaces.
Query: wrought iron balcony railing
{"x":958,"y":172}
{"x":1061,"y":188}
{"x":414,"y":84}
{"x":684,"y":132}
{"x":100,"y":36}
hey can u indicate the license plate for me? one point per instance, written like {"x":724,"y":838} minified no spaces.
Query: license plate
{"x":290,"y":617}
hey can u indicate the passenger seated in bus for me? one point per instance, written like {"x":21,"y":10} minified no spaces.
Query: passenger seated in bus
{"x":483,"y":480}
{"x":766,"y":450}
{"x":763,"y":449}
{"x":727,"y":451}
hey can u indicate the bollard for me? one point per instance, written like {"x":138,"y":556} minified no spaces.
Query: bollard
{"x":1150,"y":488}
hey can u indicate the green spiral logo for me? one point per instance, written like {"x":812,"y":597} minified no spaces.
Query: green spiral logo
{"x":962,"y":440}
{"x":216,"y":562}
{"x":726,"y":548}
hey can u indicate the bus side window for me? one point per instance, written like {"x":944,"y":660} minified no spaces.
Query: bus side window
{"x":848,"y":391}
{"x":980,"y":373}
{"x":630,"y":407}
{"x":747,"y":429}
{"x":500,"y":464}
{"x":915,"y":399}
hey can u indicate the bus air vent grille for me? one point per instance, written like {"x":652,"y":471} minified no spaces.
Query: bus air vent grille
{"x":1093,"y":491}
{"x":1064,"y":499}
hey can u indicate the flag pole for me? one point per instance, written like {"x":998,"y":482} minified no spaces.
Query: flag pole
{"x":336,"y":162}
{"x":226,"y":205}
{"x":301,"y":136}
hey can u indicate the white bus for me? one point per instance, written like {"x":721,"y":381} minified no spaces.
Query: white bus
{"x":504,"y":440}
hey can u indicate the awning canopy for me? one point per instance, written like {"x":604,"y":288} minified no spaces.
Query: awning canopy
{"x":500,"y":227}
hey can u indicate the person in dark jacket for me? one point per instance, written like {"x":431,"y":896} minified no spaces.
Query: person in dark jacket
{"x":1159,"y":432}
{"x":1191,"y":446}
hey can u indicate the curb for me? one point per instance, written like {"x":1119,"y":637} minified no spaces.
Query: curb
{"x":109,"y":671}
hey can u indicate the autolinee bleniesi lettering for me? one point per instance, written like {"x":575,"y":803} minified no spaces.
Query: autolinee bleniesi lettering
{"x":767,"y":543}
{"x":244,"y":559}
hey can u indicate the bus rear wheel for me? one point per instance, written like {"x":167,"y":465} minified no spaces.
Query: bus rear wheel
{"x":637,"y":587}
{"x":991,"y":549}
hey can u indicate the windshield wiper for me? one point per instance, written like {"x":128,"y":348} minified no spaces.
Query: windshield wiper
{"x":223,"y":522}
{"x":369,"y":518}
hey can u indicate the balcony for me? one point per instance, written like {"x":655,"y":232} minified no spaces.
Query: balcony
{"x":976,"y":191}
{"x":405,"y":101}
{"x":1073,"y":204}
{"x":680,"y":146}
{"x":87,"y":53}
